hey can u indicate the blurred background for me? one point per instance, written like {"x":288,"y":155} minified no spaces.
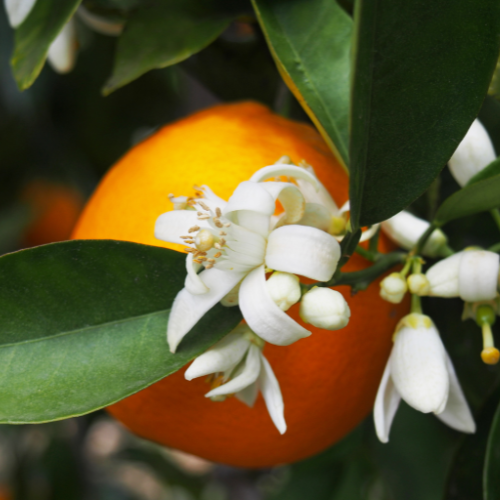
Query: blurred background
{"x":57,"y":140}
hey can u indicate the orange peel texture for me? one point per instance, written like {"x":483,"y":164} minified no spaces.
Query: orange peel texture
{"x":328,"y":380}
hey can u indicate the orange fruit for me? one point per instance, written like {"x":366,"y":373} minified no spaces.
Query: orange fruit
{"x":328,"y":380}
{"x":55,"y":210}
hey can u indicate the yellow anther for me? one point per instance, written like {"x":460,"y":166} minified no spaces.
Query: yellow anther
{"x":193,"y":229}
{"x":217,"y":255}
{"x":218,"y":223}
{"x":203,"y":205}
{"x":218,"y":212}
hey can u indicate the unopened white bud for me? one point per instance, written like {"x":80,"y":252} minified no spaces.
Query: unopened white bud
{"x":405,"y":229}
{"x":473,"y":154}
{"x":478,"y":275}
{"x":284,"y":289}
{"x":204,"y":240}
{"x":418,"y":284}
{"x":393,"y":288}
{"x":325,"y":308}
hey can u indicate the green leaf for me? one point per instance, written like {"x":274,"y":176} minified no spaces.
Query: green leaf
{"x":491,"y":479}
{"x":311,"y":41}
{"x":421,"y":71}
{"x":34,"y":36}
{"x":164,"y":33}
{"x":474,"y":198}
{"x":490,"y":171}
{"x":82,"y":325}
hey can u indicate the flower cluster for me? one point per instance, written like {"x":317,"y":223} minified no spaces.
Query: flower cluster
{"x":243,"y":252}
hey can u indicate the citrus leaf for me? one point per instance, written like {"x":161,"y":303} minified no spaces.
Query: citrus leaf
{"x":311,"y":41}
{"x":83,"y":323}
{"x":34,"y":36}
{"x":472,"y":199}
{"x":491,"y":170}
{"x":421,"y":71}
{"x":491,"y":479}
{"x":164,"y":33}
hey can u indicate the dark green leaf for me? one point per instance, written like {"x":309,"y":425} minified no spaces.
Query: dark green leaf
{"x":34,"y":36}
{"x":491,"y":170}
{"x":421,"y":71}
{"x":491,"y":478}
{"x":474,"y":198}
{"x":164,"y":33}
{"x":310,"y":41}
{"x":82,"y":325}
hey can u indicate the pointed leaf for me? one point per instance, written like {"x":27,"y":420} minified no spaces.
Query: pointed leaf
{"x":421,"y":71}
{"x":83,"y":324}
{"x":34,"y":36}
{"x":163,"y":33}
{"x":472,"y":199}
{"x":491,"y":170}
{"x":310,"y":41}
{"x":491,"y":479}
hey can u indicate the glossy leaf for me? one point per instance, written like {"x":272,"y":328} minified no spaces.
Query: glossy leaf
{"x":421,"y":71}
{"x":164,"y":33}
{"x":311,"y":41}
{"x":82,"y":325}
{"x":34,"y":36}
{"x":491,"y":479}
{"x":472,"y":199}
{"x":490,"y":171}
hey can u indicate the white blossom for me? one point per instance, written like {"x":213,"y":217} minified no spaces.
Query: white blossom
{"x":248,"y":241}
{"x":393,"y":288}
{"x":473,"y":154}
{"x":420,"y":371}
{"x":284,"y":289}
{"x":238,"y":367}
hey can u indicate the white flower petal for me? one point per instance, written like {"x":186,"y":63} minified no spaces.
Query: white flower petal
{"x":271,"y":393}
{"x":253,"y":221}
{"x":418,"y":368}
{"x":443,"y":277}
{"x":224,"y":355}
{"x":193,"y":282}
{"x":303,"y":250}
{"x":18,"y":10}
{"x":250,"y":196}
{"x":187,"y":308}
{"x":290,"y":197}
{"x":170,"y":226}
{"x":321,"y":196}
{"x":315,"y":215}
{"x":386,"y":405}
{"x":248,"y":375}
{"x":456,"y":414}
{"x":212,"y":199}
{"x":62,"y":51}
{"x":478,"y":275}
{"x":249,"y":394}
{"x":473,"y":154}
{"x":287,"y":170}
{"x":263,"y":316}
{"x":369,"y":233}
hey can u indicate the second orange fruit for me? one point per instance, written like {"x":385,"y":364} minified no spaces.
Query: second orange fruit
{"x":328,"y":380}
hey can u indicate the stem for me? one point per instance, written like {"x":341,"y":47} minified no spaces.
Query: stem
{"x":423,"y":240}
{"x":495,"y":213}
{"x":373,"y":246}
{"x":416,"y":304}
{"x":367,"y":254}
{"x":366,"y":276}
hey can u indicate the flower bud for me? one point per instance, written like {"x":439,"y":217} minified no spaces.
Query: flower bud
{"x":284,"y":289}
{"x":418,"y":284}
{"x":393,"y":288}
{"x":405,"y":229}
{"x":325,"y":308}
{"x":471,"y":275}
{"x":473,"y":154}
{"x":478,"y":275}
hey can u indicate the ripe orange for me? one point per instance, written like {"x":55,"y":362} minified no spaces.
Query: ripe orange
{"x":329,"y":380}
{"x":55,"y":207}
